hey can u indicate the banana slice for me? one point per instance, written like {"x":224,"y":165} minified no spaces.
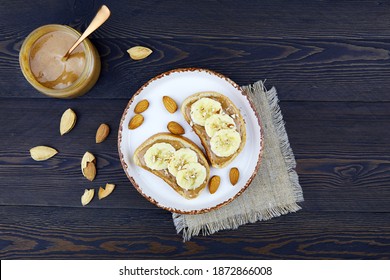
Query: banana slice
{"x":217,"y":122}
{"x":203,"y":109}
{"x":225,"y":142}
{"x":158,"y":156}
{"x":180,"y":158}
{"x":191,"y":176}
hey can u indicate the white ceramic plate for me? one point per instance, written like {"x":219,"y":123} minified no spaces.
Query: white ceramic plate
{"x":179,"y":84}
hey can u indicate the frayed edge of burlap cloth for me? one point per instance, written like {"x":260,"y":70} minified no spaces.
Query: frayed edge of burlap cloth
{"x":273,"y":192}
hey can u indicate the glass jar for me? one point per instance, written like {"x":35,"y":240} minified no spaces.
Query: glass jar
{"x":41,"y":61}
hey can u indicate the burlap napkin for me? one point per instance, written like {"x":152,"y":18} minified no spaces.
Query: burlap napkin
{"x":274,"y":191}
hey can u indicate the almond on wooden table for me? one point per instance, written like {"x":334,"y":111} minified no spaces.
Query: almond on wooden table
{"x":141,"y":106}
{"x":104,"y":192}
{"x":136,"y":121}
{"x":40,"y":153}
{"x":169,"y":104}
{"x":87,"y":196}
{"x":68,"y":121}
{"x":102,"y":133}
{"x":175,"y":128}
{"x":88,"y":166}
{"x":139,"y":52}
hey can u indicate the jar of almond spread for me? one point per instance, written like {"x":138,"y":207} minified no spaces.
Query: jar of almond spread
{"x":42,"y":62}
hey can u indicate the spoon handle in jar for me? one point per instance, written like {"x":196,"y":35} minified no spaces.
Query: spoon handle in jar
{"x":101,"y":16}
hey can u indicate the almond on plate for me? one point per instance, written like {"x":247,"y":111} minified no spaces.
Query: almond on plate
{"x":68,"y":121}
{"x":87,"y":196}
{"x":141,"y":106}
{"x":169,"y":104}
{"x":175,"y":128}
{"x":136,"y":121}
{"x":214,"y":183}
{"x":234,"y":175}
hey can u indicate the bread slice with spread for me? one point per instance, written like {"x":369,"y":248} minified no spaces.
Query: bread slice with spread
{"x":177,"y":160}
{"x":218,"y":123}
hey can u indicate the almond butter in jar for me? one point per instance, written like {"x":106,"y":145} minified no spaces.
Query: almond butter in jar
{"x":42,"y":63}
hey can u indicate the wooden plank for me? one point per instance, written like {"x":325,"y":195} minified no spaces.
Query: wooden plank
{"x":59,"y":233}
{"x":341,"y":151}
{"x":315,"y":70}
{"x":314,"y":52}
{"x":297,"y":19}
{"x":169,"y":18}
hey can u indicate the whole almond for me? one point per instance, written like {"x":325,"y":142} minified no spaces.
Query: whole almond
{"x":139,"y":52}
{"x":87,"y":196}
{"x":141,"y":106}
{"x":102,"y":133}
{"x":68,"y":121}
{"x":234,"y":175}
{"x":175,"y":128}
{"x":40,"y":153}
{"x":105,"y":192}
{"x":87,"y":157}
{"x":170,"y":104}
{"x":214,"y":183}
{"x":90,"y":171}
{"x":136,"y":121}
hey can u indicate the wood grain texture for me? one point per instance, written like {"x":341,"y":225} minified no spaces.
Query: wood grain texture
{"x":316,"y":70}
{"x":204,"y":18}
{"x":58,"y":233}
{"x":310,"y":55}
{"x":329,"y":61}
{"x":338,"y":146}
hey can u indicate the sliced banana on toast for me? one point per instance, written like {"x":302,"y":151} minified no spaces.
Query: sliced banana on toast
{"x":181,"y":158}
{"x":219,"y":125}
{"x":191,"y":176}
{"x":225,"y":142}
{"x":217,"y":122}
{"x":157,"y":157}
{"x":204,"y":108}
{"x":176,"y":160}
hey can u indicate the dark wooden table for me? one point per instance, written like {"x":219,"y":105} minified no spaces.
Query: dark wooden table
{"x":330,"y":62}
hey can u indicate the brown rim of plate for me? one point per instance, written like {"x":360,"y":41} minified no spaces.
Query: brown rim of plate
{"x":124,"y":164}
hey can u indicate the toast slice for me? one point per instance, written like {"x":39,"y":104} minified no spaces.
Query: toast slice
{"x":227,"y":107}
{"x":177,"y":142}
